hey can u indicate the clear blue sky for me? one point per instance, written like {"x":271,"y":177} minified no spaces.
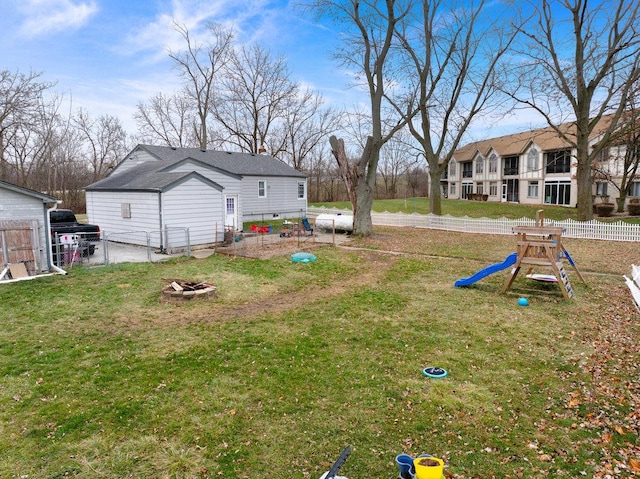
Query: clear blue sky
{"x":110,"y":54}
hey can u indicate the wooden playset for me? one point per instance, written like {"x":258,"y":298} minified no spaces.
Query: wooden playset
{"x":542,"y":246}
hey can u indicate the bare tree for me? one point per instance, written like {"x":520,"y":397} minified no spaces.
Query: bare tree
{"x":168,"y":120}
{"x":397,"y":157}
{"x":369,"y":28}
{"x":20,"y":98}
{"x":306,"y":125}
{"x":60,"y":168}
{"x":30,"y":141}
{"x":257,"y":96}
{"x":584,"y":60}
{"x":324,"y":180}
{"x":105,"y":140}
{"x":453,"y":50}
{"x":620,"y":161}
{"x":199,"y":66}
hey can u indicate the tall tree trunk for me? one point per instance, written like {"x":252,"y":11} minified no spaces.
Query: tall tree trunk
{"x":348,"y":172}
{"x":435,"y":197}
{"x":584,"y":173}
{"x":367,"y":172}
{"x":585,"y":197}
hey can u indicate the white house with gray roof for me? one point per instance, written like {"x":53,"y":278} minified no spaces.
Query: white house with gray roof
{"x":24,"y":227}
{"x":157,"y":192}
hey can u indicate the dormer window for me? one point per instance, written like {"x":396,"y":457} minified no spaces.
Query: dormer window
{"x":532,"y":160}
{"x":493,"y":163}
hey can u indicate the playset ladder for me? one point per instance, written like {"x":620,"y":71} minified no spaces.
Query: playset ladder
{"x":542,"y":246}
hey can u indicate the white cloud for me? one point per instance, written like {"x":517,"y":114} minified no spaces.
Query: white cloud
{"x":46,"y":16}
{"x":248,"y":18}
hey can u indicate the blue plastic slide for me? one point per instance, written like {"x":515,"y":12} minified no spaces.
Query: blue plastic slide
{"x":483,"y":273}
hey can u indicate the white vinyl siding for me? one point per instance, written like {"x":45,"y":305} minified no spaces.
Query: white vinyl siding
{"x":104,"y":208}
{"x":281,"y":202}
{"x":194,"y":205}
{"x":16,"y":206}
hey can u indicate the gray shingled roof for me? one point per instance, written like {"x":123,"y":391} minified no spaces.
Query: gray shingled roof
{"x":152,"y":175}
{"x":26,"y":191}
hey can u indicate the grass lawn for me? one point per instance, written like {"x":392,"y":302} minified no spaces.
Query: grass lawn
{"x":292,"y":362}
{"x":476,"y":209}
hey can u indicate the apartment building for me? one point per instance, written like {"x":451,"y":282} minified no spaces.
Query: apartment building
{"x":533,"y":167}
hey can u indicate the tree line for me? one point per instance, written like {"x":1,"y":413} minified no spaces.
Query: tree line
{"x":429,"y":69}
{"x":232,"y":97}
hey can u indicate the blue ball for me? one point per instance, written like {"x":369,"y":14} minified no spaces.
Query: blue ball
{"x":523,"y":302}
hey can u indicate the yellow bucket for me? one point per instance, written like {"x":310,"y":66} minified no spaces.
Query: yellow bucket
{"x":429,"y":467}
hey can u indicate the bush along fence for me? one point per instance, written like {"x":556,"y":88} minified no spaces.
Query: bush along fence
{"x":594,"y":229}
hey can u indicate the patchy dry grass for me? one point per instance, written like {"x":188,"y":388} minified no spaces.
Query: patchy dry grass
{"x":294,"y":361}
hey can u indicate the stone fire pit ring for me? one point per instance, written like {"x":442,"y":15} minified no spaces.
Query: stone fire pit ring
{"x":181,"y":290}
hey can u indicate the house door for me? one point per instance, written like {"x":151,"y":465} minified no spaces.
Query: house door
{"x":510,"y":191}
{"x":231,"y":211}
{"x":467,"y":189}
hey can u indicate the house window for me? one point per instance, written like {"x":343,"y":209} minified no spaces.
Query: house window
{"x":532,"y":189}
{"x":479,"y":165}
{"x":605,"y":154}
{"x":559,"y":161}
{"x":493,"y":163}
{"x":532,"y":160}
{"x":480,"y":188}
{"x":452,"y":168}
{"x":510,"y":166}
{"x":493,"y":189}
{"x":467,"y":169}
{"x":302,"y":193}
{"x":634,"y":188}
{"x":231,"y":205}
{"x":262,"y":189}
{"x":557,"y":192}
{"x":125,"y":210}
{"x":452,"y":189}
{"x":601,"y":188}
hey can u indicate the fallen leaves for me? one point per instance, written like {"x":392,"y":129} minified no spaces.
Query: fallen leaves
{"x":613,"y":396}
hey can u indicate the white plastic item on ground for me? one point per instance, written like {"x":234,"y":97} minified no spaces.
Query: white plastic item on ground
{"x":632,"y":284}
{"x":334,"y":477}
{"x":329,"y":221}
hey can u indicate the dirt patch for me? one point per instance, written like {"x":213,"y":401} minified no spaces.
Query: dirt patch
{"x":373,"y":271}
{"x":270,"y":245}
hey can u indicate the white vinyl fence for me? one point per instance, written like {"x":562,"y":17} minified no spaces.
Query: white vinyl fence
{"x":594,"y":229}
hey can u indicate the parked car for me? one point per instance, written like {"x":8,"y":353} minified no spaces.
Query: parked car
{"x":66,"y":230}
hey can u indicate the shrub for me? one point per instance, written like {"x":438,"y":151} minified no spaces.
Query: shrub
{"x":605,"y":209}
{"x":634,"y":208}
